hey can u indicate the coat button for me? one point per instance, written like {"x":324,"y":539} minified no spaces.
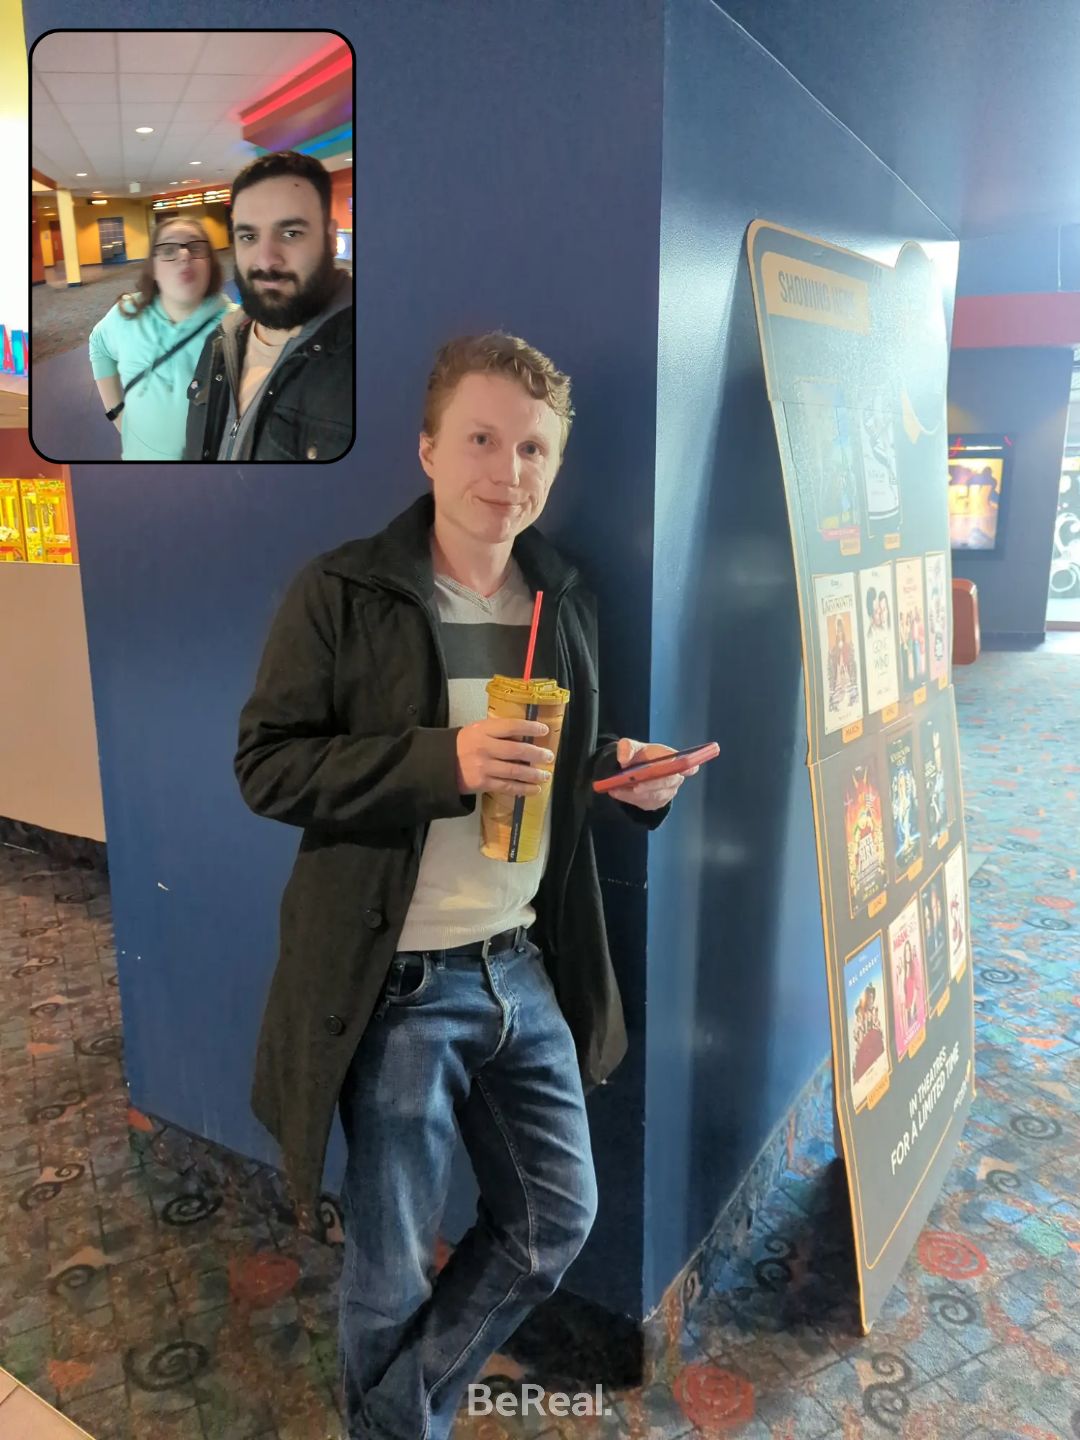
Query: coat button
{"x":335,"y":1025}
{"x":218,"y":377}
{"x":373,"y":918}
{"x":312,"y":452}
{"x":316,"y":346}
{"x":410,"y":709}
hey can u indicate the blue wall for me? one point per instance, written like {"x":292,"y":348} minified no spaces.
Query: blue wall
{"x":507,"y":174}
{"x":738,"y":1014}
{"x":510,"y":176}
{"x":1023,"y":393}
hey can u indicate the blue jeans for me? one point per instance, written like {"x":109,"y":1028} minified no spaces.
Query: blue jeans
{"x":483,"y":1043}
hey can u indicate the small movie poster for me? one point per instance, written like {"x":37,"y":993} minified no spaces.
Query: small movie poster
{"x":842,"y":687}
{"x":935,"y":936}
{"x":956,"y":906}
{"x":879,"y":637}
{"x":868,"y":1051}
{"x":903,"y":803}
{"x":877,"y":443}
{"x":937,"y":617}
{"x":823,"y":445}
{"x":910,"y":624}
{"x":908,"y":977}
{"x":864,"y":832}
{"x":935,"y":788}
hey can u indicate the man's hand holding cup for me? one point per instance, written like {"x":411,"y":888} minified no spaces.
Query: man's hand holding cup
{"x":493,"y":757}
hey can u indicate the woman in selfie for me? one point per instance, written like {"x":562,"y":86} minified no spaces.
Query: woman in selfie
{"x":143,"y":353}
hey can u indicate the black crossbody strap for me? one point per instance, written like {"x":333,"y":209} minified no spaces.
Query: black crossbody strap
{"x":213,"y":320}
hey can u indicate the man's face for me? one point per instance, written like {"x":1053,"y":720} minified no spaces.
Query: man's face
{"x":284,"y":252}
{"x":494,"y":459}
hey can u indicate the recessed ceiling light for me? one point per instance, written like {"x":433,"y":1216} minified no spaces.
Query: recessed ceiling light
{"x":99,"y":192}
{"x":194,"y":162}
{"x":144,"y":129}
{"x":80,"y":174}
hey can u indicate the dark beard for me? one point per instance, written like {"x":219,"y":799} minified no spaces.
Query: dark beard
{"x":292,"y":310}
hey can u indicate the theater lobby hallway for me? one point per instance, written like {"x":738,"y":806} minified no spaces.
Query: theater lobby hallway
{"x":144,"y":1305}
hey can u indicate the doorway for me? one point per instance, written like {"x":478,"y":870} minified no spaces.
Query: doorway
{"x":113,"y":246}
{"x":1063,"y":607}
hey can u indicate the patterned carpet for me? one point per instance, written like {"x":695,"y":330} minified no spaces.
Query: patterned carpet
{"x":143,"y":1307}
{"x":61,"y":319}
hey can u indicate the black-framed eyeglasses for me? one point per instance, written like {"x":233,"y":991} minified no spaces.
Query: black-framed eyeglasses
{"x":170,"y":249}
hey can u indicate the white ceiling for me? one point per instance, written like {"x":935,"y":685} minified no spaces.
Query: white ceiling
{"x":90,"y":89}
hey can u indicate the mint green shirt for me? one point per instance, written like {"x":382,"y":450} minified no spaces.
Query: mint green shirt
{"x":154,"y":419}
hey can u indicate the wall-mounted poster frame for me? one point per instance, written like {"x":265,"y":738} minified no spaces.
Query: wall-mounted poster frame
{"x":855,"y":363}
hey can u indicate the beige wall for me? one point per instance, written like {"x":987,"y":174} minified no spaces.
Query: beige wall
{"x":136,"y":235}
{"x":214,"y":217}
{"x":48,"y":740}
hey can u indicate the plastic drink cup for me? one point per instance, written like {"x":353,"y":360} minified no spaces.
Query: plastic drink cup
{"x":512,"y":825}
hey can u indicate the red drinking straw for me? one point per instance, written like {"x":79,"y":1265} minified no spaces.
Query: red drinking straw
{"x":532,"y":634}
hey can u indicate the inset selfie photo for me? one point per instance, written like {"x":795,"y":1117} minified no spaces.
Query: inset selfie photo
{"x":192,"y":246}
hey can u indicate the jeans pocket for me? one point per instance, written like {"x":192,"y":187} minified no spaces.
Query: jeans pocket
{"x":408,"y":979}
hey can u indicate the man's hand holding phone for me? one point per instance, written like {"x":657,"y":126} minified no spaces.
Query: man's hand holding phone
{"x":652,"y":792}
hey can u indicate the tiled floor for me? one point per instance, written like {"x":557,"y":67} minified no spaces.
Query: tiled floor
{"x":143,"y":1307}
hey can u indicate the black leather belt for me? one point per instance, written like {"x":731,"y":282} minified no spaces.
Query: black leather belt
{"x":505,"y":940}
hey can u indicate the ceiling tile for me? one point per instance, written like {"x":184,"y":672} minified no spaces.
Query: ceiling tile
{"x":80,"y":86}
{"x":135,"y":87}
{"x":209,"y":87}
{"x":145,"y":112}
{"x":68,"y":50}
{"x":207,"y":111}
{"x":160,"y":52}
{"x":267,"y":54}
{"x":84,"y":113}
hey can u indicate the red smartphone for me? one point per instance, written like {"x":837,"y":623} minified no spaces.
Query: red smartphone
{"x":676,"y":764}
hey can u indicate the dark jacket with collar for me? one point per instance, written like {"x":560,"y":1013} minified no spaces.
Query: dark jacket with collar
{"x":305,"y":411}
{"x":346,"y":736}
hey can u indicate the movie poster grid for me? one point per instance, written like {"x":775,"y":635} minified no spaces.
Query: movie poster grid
{"x":869,"y":1065}
{"x":834,"y":602}
{"x":903,"y":972}
{"x":902,"y":639}
{"x":854,"y":470}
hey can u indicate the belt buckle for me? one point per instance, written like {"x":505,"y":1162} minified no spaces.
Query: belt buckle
{"x":485,"y":948}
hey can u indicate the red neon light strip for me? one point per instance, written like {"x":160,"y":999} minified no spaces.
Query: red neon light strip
{"x":334,"y":67}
